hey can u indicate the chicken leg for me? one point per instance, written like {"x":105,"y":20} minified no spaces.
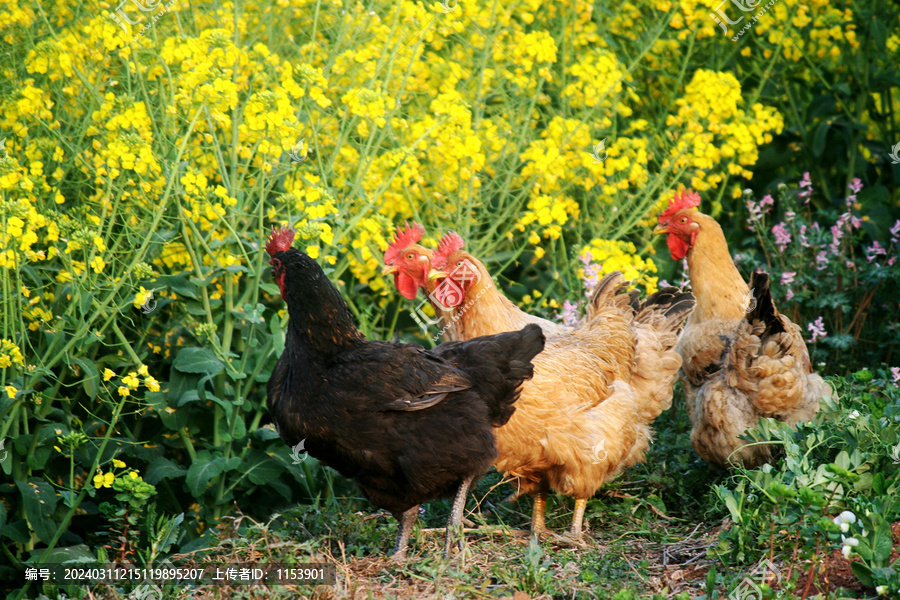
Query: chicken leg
{"x":578,"y":518}
{"x":538,"y":526}
{"x":407,"y":520}
{"x":456,"y":515}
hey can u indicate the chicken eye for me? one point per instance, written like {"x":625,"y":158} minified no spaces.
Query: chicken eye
{"x":684,"y":219}
{"x":410,"y":256}
{"x":459,"y":263}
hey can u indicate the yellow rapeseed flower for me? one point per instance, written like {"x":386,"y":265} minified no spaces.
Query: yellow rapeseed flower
{"x":102,"y":480}
{"x":131,"y":380}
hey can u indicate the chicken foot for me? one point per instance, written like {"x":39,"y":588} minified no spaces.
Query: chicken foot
{"x":407,"y":520}
{"x":578,"y":518}
{"x":456,"y":516}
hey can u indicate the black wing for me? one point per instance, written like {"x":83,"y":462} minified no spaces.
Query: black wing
{"x":396,"y":377}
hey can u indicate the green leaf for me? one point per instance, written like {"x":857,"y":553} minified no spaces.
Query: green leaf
{"x":40,"y":500}
{"x":261,"y":468}
{"x":198,"y":360}
{"x":879,"y":33}
{"x":167,"y":533}
{"x":277,"y":485}
{"x":821,"y":135}
{"x":79,"y":554}
{"x":163,"y":468}
{"x":252,"y":314}
{"x":882,"y":544}
{"x":91,"y":381}
{"x":270,"y":288}
{"x":863,"y":573}
{"x":277,"y":335}
{"x":178,"y":284}
{"x":265,"y":434}
{"x":732,"y":505}
{"x":17,"y":531}
{"x":204,"y":468}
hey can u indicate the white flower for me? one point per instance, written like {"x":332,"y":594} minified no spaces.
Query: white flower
{"x":849,"y":544}
{"x":881,"y":590}
{"x":854,"y":414}
{"x":845,"y":519}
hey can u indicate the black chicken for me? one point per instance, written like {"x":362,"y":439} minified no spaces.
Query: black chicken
{"x":409,"y":425}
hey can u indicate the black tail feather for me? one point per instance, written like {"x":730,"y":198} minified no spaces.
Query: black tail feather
{"x":762,"y":308}
{"x":498,"y":364}
{"x":671,"y":302}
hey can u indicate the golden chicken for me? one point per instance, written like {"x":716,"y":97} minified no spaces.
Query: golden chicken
{"x":410,"y":262}
{"x":585,"y":416}
{"x":742,"y":359}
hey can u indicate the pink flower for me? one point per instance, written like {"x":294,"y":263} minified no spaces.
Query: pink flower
{"x":817,"y":328}
{"x":767,"y":201}
{"x":570,"y":314}
{"x":755,"y":214}
{"x":855,"y":185}
{"x":801,"y":237}
{"x":805,"y":183}
{"x":895,"y":373}
{"x":821,"y":260}
{"x":874,"y":250}
{"x":895,"y":232}
{"x":782,"y":237}
{"x":789,"y":215}
{"x":591,"y":274}
{"x":787,"y":278}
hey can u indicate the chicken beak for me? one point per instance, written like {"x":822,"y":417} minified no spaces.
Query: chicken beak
{"x":660,"y":230}
{"x":435,"y":274}
{"x":389,"y":270}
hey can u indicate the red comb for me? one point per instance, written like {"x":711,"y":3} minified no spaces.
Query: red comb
{"x":451,"y":242}
{"x":280,"y":240}
{"x":410,"y":234}
{"x":688,"y":199}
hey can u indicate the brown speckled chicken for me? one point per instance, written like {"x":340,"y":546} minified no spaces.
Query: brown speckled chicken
{"x":742,"y":359}
{"x":585,"y":416}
